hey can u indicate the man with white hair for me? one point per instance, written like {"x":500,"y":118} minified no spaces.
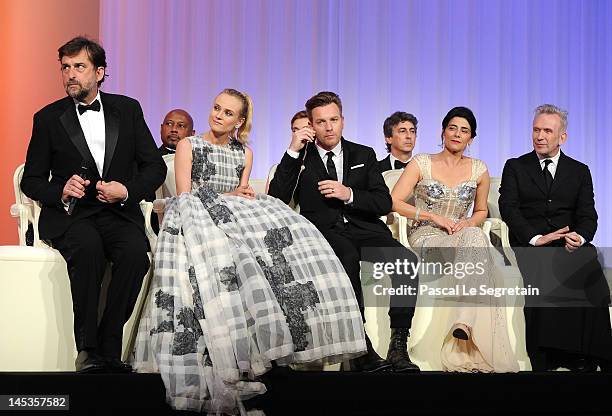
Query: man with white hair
{"x":547,"y":200}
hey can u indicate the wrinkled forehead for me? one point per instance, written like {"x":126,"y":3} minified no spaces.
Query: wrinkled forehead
{"x":459,"y":122}
{"x":546,"y":120}
{"x":229,"y":102}
{"x":404,"y":125}
{"x":81,"y":57}
{"x":326,"y":112}
{"x":176,"y":116}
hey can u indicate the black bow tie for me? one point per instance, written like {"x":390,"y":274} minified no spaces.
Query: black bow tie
{"x":399,"y":164}
{"x":95,"y":106}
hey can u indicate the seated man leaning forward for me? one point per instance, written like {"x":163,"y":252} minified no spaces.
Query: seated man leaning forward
{"x":341,"y":191}
{"x":92,"y":215}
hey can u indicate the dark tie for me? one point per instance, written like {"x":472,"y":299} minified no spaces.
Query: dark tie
{"x":95,"y":106}
{"x":548,"y":178}
{"x":331,"y":167}
{"x":398,"y":164}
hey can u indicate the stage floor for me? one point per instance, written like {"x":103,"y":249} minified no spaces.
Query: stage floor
{"x":340,"y":393}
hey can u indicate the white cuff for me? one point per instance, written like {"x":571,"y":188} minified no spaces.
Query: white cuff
{"x":293,"y":154}
{"x":350,"y":200}
{"x":534,"y":239}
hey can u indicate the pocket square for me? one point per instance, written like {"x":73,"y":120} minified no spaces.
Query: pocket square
{"x":357,"y":166}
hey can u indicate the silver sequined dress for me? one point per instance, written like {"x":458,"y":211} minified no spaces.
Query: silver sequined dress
{"x":489,"y":348}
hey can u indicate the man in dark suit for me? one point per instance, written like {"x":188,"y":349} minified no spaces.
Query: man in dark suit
{"x":400,"y":130}
{"x":94,"y":217}
{"x":342,"y":192}
{"x":546,"y":198}
{"x":177,"y":125}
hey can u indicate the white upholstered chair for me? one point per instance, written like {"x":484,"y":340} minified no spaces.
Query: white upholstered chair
{"x":22,"y":210}
{"x":36,"y":302}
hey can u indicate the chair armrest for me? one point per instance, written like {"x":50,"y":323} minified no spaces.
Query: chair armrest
{"x":497,"y":226}
{"x":486,"y":229}
{"x":401,"y":222}
{"x":23,"y":213}
{"x":147,"y":210}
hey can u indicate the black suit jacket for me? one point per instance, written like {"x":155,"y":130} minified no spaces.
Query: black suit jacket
{"x":58,"y":148}
{"x":385,"y":164}
{"x":371,"y":197}
{"x":527,"y":208}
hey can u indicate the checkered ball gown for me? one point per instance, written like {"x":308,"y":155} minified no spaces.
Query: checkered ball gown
{"x":239,"y":283}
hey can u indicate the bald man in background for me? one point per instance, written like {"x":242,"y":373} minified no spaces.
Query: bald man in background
{"x":177,"y":125}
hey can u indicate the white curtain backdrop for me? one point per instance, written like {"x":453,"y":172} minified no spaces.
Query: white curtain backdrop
{"x":501,"y":58}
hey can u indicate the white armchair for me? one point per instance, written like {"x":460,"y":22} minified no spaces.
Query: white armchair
{"x":22,"y":209}
{"x":397,"y":223}
{"x":497,"y":229}
{"x":36,"y":301}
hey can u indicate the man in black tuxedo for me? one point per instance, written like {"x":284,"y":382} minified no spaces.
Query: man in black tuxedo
{"x":177,"y":125}
{"x":546,"y":198}
{"x":342,"y":192}
{"x":400,"y":130}
{"x":94,"y":217}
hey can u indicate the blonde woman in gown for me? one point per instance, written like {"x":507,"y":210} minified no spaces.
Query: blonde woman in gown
{"x":467,"y":334}
{"x":240,"y":280}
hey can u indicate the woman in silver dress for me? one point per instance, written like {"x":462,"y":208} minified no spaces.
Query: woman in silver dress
{"x":468,"y":332}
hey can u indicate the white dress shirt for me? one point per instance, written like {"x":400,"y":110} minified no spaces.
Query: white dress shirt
{"x":337,"y":158}
{"x":94,"y":129}
{"x":392,"y":159}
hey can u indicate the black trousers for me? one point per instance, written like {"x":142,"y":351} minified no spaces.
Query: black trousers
{"x":347,"y":241}
{"x":87,"y":246}
{"x":556,"y":330}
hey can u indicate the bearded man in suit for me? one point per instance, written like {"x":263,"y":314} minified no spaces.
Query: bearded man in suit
{"x":547,"y":200}
{"x":80,"y":167}
{"x":342,"y":192}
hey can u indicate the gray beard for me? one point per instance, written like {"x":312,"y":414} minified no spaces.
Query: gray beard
{"x":81,"y":95}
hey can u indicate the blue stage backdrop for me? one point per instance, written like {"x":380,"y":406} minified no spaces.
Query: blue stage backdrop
{"x":500,"y":58}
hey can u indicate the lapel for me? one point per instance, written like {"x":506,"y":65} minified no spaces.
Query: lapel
{"x":534,"y":170}
{"x":111,"y":124}
{"x":71,"y":124}
{"x":315,"y":163}
{"x":561,"y":174}
{"x":386,"y":163}
{"x":345,"y":161}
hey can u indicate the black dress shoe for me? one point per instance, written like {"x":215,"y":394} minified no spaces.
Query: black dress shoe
{"x":88,"y":362}
{"x":398,"y":352}
{"x":115,"y":365}
{"x":371,"y":362}
{"x":582,"y":365}
{"x":605,"y":366}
